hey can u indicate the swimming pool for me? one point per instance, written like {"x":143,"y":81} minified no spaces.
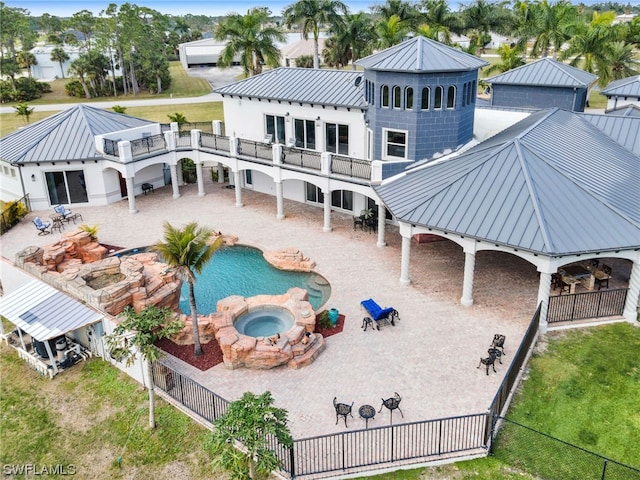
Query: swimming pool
{"x":242,"y":270}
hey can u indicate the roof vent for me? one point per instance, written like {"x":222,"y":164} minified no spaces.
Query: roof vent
{"x":357,"y":81}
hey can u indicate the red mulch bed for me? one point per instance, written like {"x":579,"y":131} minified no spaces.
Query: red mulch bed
{"x":212,"y":354}
{"x":327,"y":332}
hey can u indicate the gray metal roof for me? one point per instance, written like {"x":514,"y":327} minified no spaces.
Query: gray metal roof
{"x":44,"y":312}
{"x":623,"y":129}
{"x":340,"y":88}
{"x":630,"y":110}
{"x":545,"y":72}
{"x":421,"y":54}
{"x":552,"y":184}
{"x":627,"y":87}
{"x":68,"y":135}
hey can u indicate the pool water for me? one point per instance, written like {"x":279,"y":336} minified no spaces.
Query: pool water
{"x":242,"y":270}
{"x":264,"y":322}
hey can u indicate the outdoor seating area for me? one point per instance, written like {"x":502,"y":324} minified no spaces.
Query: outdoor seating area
{"x":367,"y":221}
{"x":378,"y":314}
{"x":367,"y":412}
{"x":41,"y":226}
{"x":63,"y":214}
{"x":588,"y":275}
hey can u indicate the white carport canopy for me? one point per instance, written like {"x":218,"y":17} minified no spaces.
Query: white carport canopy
{"x":43,"y":312}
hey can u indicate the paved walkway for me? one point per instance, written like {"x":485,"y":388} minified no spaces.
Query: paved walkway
{"x":429,"y":358}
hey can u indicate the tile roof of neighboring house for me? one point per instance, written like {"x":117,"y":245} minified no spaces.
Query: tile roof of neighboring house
{"x":421,"y":54}
{"x":68,"y":135}
{"x":623,"y":129}
{"x":627,"y":87}
{"x":545,"y":72}
{"x":550,"y":184}
{"x":340,"y":88}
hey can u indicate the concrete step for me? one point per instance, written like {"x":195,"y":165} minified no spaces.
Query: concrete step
{"x":314,"y":347}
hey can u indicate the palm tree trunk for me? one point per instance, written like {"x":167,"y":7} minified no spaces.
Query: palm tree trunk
{"x":197,"y":348}
{"x":152,"y":396}
{"x":316,"y":56}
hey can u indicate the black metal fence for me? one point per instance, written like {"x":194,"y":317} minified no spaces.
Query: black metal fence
{"x":111,"y":147}
{"x":509,"y":381}
{"x":13,"y":212}
{"x":146,"y":145}
{"x":553,"y":459}
{"x":301,"y":158}
{"x":577,"y":306}
{"x":353,"y":167}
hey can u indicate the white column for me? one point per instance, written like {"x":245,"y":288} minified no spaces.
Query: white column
{"x":404,"y":263}
{"x":179,"y":172}
{"x":467,"y":284}
{"x":237,"y":182}
{"x":381,"y":225}
{"x":630,"y":312}
{"x":131,"y":196}
{"x":174,"y":181}
{"x":543,"y":300}
{"x":279,"y":201}
{"x":200,"y":178}
{"x":327,"y":212}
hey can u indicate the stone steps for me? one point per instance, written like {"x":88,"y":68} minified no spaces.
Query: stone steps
{"x":305,"y":354}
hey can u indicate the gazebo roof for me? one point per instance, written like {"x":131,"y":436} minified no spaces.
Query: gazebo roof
{"x":545,"y":72}
{"x":68,"y":135}
{"x":551,"y":184}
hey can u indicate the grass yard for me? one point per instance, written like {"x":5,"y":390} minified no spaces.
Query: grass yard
{"x":83,"y":418}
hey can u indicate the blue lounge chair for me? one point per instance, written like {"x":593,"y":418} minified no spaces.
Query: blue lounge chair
{"x":43,"y":227}
{"x":378,"y":313}
{"x":60,"y":210}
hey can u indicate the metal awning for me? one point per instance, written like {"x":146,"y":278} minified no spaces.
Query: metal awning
{"x":44,"y":313}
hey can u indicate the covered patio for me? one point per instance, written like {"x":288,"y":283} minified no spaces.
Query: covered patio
{"x":53,"y":331}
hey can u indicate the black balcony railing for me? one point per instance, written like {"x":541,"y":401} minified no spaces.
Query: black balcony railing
{"x":147,"y":145}
{"x":215,"y":142}
{"x":301,"y":158}
{"x":352,"y":167}
{"x":111,"y":147}
{"x":578,"y":306}
{"x":183,"y":139}
{"x":260,"y":150}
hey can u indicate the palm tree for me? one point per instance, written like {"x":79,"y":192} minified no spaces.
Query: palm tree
{"x":148,"y":326}
{"x":23,"y":110}
{"x":189,"y":250}
{"x":620,"y":63}
{"x":312,"y":15}
{"x":26,"y":59}
{"x":437,"y":21}
{"x":59,"y":55}
{"x":247,"y":36}
{"x":391,"y":32}
{"x":355,"y":35}
{"x":551,"y":26}
{"x":177,"y":117}
{"x":335,"y":54}
{"x":510,"y":58}
{"x":406,"y":11}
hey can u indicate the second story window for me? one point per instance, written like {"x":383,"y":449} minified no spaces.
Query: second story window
{"x":397,"y":97}
{"x":437,"y":104}
{"x":451,"y":97}
{"x":408,"y":98}
{"x":305,"y":133}
{"x":275,"y":127}
{"x":425,"y":100}
{"x":337,"y":138}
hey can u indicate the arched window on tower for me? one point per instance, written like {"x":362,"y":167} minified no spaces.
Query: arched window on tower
{"x":408,"y":98}
{"x":424,"y":101}
{"x":384,"y":96}
{"x":397,"y":97}
{"x":451,"y":97}
{"x":465,"y":91}
{"x":437,"y":104}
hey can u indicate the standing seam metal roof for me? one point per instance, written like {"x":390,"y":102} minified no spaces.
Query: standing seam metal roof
{"x":545,"y":72}
{"x":626,"y":87}
{"x":553,"y":184}
{"x":303,"y":85}
{"x":421,"y":54}
{"x":623,"y":129}
{"x":68,"y":135}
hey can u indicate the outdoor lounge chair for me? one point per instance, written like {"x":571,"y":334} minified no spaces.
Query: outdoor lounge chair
{"x":43,"y":227}
{"x":380,"y":314}
{"x":60,"y":210}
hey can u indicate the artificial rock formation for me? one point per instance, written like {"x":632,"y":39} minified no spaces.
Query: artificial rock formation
{"x":289,"y":259}
{"x":78,"y":266}
{"x":240,"y":350}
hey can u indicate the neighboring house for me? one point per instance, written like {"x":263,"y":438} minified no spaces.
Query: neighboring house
{"x":545,"y":83}
{"x":291,"y":52}
{"x":47,"y":69}
{"x":623,"y":92}
{"x":405,"y":133}
{"x":202,"y":53}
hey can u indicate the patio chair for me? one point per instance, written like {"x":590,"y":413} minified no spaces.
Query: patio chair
{"x":379,"y":314}
{"x":60,"y":210}
{"x":342,"y":410}
{"x":602,"y":276}
{"x":43,"y":227}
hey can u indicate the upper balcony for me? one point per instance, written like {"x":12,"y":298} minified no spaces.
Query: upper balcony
{"x":152,"y":140}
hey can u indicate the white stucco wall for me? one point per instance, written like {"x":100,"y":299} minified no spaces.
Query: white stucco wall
{"x":10,"y":186}
{"x":618,"y":102}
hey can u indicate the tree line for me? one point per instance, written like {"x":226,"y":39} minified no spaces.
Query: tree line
{"x":125,"y":49}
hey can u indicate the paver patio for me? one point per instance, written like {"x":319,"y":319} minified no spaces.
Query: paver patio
{"x":429,"y":357}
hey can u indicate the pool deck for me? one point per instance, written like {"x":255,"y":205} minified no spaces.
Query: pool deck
{"x":429,"y":357}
